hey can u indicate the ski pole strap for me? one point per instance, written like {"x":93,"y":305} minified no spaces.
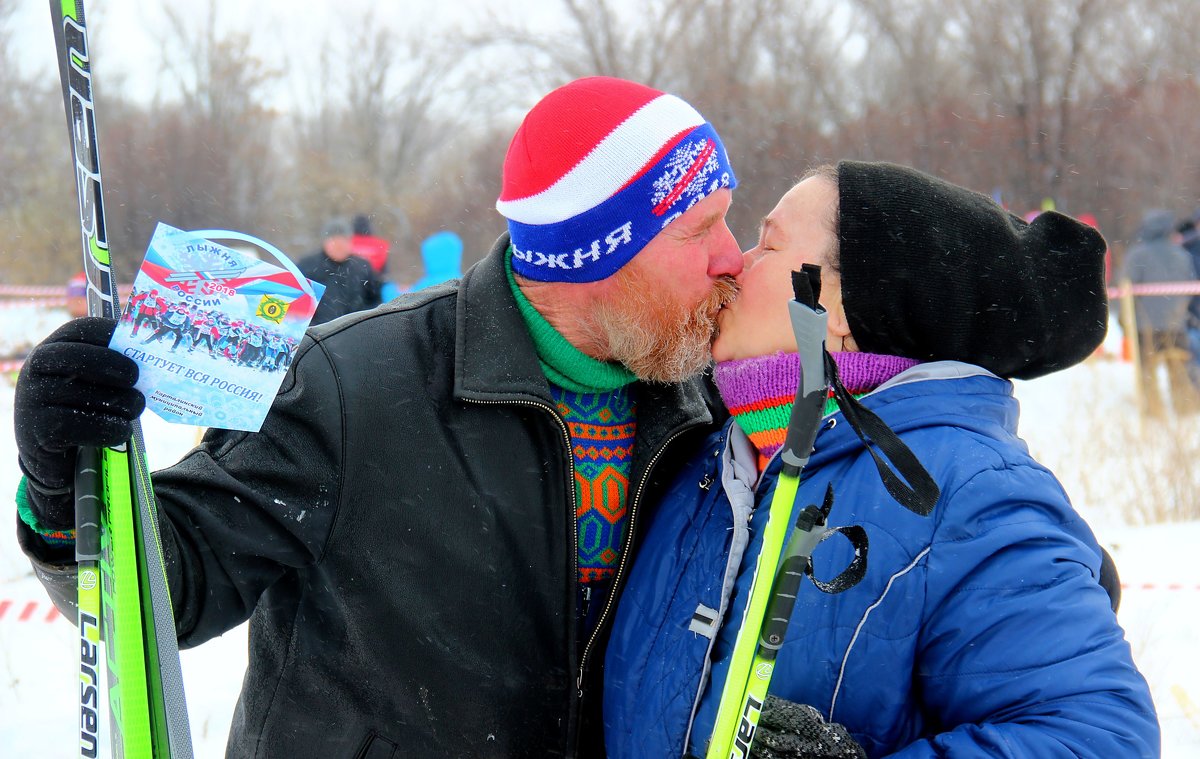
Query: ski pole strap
{"x":917,"y":492}
{"x":52,"y":537}
{"x":855,"y":570}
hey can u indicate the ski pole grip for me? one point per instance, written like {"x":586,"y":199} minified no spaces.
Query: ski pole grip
{"x":804,"y":540}
{"x":791,"y":573}
{"x":810,"y":326}
{"x":87,"y":504}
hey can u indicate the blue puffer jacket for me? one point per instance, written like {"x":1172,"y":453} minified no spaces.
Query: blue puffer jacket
{"x":980,"y":630}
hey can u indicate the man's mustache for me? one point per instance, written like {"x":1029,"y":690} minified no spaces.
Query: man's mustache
{"x":725,"y":291}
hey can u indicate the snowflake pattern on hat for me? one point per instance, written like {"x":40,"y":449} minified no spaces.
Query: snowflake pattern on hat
{"x":688,"y":169}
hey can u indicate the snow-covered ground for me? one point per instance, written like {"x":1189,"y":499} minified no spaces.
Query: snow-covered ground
{"x":1078,"y":422}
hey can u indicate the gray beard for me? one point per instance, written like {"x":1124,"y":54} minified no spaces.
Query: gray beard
{"x":658,"y":343}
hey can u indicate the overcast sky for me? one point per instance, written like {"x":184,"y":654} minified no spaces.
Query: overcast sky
{"x":125,"y":35}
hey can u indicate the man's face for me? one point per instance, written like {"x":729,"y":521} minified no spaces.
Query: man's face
{"x":338,"y":248}
{"x":658,"y":314}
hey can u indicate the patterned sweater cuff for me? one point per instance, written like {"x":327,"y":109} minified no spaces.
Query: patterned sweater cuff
{"x":25,"y":511}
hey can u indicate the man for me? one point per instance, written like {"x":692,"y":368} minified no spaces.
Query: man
{"x":1162,"y":319}
{"x":366,"y":245}
{"x":428,"y":535}
{"x":1190,"y":240}
{"x":350,"y":282}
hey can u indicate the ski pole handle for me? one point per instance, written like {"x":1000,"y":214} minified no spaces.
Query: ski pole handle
{"x":88,"y":483}
{"x":804,"y":540}
{"x":87,"y":504}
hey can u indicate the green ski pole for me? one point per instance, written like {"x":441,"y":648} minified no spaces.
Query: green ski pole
{"x":749,"y":671}
{"x":87,"y":557}
{"x":147,"y":711}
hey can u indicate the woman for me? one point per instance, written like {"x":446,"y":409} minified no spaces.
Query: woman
{"x":979,"y":630}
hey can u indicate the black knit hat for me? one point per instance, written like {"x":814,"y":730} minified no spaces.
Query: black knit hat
{"x":934,"y":271}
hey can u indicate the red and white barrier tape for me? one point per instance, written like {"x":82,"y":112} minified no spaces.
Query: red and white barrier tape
{"x":37,"y":291}
{"x":25,"y":291}
{"x":33,"y":303}
{"x":1159,"y":586}
{"x":28,"y":611}
{"x":1157,"y":288}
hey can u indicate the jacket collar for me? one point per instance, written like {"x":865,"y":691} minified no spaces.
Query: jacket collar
{"x":934,"y":394}
{"x":495,"y":359}
{"x":494,"y":356}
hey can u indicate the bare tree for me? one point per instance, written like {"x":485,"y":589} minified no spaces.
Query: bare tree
{"x":201,"y":155}
{"x":39,"y":220}
{"x":909,"y":87}
{"x":600,"y":38}
{"x":1033,"y":64}
{"x":1094,"y":103}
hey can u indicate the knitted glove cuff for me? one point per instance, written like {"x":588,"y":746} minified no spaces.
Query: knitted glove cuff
{"x":52,"y":536}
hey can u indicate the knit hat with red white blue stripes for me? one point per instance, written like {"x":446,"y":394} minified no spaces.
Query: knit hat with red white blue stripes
{"x":597,"y":169}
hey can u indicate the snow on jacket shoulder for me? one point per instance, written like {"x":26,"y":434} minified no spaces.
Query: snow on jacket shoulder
{"x":978,"y":631}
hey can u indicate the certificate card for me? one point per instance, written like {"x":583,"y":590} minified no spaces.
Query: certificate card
{"x":212,"y":329}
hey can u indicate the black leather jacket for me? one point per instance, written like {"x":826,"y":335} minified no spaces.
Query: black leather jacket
{"x":401,"y":535}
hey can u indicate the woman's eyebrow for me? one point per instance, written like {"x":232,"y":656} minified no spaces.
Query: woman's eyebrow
{"x":767,"y":225}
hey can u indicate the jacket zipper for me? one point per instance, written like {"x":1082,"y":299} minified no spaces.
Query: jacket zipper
{"x":626,"y":544}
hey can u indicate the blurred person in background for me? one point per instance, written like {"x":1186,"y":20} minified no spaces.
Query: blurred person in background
{"x":1189,"y":232}
{"x":367,"y":245}
{"x":77,"y":295}
{"x":1156,"y":256}
{"x":441,"y":255}
{"x":375,"y":251}
{"x":350,"y":283}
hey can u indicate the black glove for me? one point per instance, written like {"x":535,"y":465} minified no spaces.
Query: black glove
{"x":72,"y":391}
{"x":788,"y":730}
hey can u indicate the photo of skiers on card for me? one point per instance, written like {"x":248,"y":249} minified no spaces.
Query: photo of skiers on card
{"x":153,"y":318}
{"x":213,"y":330}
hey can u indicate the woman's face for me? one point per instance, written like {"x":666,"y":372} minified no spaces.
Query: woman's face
{"x":797,"y":232}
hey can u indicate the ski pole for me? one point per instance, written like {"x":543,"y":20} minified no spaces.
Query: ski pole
{"x":87,"y":557}
{"x":741,"y":703}
{"x":129,"y":597}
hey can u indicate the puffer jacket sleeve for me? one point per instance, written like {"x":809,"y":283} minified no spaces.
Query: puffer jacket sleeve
{"x":1020,"y":648}
{"x":242,"y":510}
